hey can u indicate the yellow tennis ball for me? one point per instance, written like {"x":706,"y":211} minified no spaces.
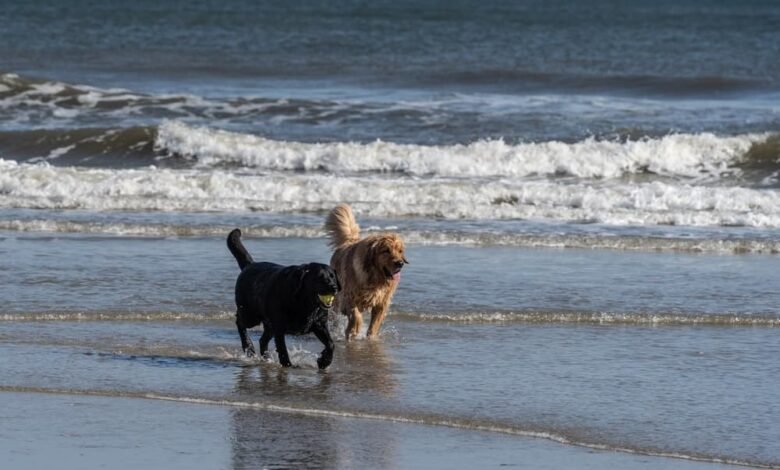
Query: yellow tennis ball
{"x":327,"y":299}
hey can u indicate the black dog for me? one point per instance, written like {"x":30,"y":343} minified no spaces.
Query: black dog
{"x":285,"y":299}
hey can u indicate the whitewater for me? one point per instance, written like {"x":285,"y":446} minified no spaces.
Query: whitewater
{"x":684,"y":179}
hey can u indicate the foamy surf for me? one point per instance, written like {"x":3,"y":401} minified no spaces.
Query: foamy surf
{"x":42,"y":186}
{"x":338,"y":323}
{"x":695,"y":156}
{"x":116,"y":316}
{"x":156,"y":229}
{"x":447,"y":236}
{"x":594,"y":318}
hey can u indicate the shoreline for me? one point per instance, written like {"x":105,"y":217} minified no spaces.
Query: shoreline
{"x":183,"y":435}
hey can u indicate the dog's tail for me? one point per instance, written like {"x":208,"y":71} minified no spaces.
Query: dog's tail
{"x":341,"y":226}
{"x":237,"y":248}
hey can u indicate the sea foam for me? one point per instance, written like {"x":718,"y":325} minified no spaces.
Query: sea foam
{"x":43,"y":186}
{"x":448,"y":237}
{"x":678,"y":155}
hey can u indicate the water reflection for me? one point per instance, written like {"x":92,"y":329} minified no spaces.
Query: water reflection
{"x":361,"y":375}
{"x":370,"y":368}
{"x":263,"y":439}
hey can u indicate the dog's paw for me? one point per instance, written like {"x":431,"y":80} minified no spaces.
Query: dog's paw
{"x":250,"y":352}
{"x":325,"y":359}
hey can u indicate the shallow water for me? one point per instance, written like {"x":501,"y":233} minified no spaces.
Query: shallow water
{"x":611,"y":369}
{"x":149,"y":432}
{"x":145,"y":274}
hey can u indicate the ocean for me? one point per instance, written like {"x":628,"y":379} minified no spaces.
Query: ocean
{"x":589,"y":192}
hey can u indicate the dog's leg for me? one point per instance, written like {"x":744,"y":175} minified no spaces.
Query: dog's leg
{"x":355,"y":323}
{"x":378,"y":313}
{"x":281,"y":350}
{"x":246,"y":342}
{"x":265,"y":338}
{"x":322,"y":334}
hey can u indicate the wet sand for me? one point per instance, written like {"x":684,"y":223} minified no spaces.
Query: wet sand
{"x":66,"y":431}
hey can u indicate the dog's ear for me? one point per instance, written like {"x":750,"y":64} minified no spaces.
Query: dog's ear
{"x":304,"y":270}
{"x":371,"y":255}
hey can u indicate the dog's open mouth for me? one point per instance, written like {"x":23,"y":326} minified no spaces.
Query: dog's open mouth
{"x":326,"y":299}
{"x":394,"y":274}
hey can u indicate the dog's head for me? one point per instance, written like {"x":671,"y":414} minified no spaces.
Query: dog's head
{"x":387,"y":254}
{"x":319,"y":281}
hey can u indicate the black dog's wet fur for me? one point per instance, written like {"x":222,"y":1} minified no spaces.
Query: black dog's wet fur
{"x":284,"y":299}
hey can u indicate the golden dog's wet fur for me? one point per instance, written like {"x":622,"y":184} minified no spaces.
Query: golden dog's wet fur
{"x":365,"y":268}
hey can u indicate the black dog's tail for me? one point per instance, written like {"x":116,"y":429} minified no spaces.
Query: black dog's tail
{"x":237,"y":248}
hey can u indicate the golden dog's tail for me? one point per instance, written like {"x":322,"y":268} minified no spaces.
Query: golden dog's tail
{"x":341,"y":226}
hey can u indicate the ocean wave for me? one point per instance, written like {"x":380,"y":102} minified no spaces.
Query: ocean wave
{"x":595,"y":318}
{"x":27,"y":103}
{"x":42,"y":99}
{"x":692,"y":156}
{"x":446,"y":237}
{"x":156,"y":230}
{"x":43,"y":186}
{"x":465,"y":317}
{"x":115,"y":316}
{"x":49,"y":119}
{"x":106,"y":147}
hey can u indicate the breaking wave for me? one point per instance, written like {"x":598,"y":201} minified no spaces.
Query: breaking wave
{"x":693,"y":156}
{"x":103,"y":147}
{"x":43,"y":186}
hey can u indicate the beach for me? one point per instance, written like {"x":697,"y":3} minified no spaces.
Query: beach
{"x":588,"y":193}
{"x":657,"y":381}
{"x":186,"y":436}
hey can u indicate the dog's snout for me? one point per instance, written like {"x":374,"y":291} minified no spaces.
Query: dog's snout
{"x":399,"y":264}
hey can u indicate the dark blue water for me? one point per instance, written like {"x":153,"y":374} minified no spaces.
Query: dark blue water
{"x":666,"y":47}
{"x":617,"y":113}
{"x":516,"y":70}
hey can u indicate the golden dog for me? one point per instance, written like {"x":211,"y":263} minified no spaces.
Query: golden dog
{"x":369,"y":269}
